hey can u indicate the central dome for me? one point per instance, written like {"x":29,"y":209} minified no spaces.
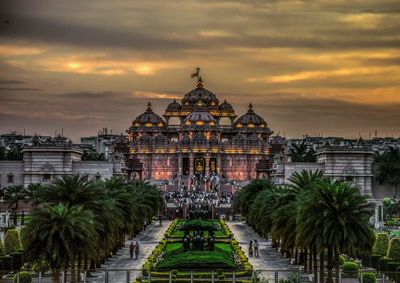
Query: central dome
{"x":200,"y":118}
{"x":200,"y":93}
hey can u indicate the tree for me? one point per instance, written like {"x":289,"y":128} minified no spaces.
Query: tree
{"x":245,"y":197}
{"x":334,"y":217}
{"x":92,"y":155}
{"x":388,"y":168}
{"x":12,"y":196}
{"x":301,"y":153}
{"x":59,"y":233}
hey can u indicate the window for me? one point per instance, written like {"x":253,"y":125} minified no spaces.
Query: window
{"x":10,"y":178}
{"x":46,"y":177}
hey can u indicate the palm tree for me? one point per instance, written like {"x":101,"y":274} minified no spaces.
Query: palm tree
{"x":60,"y":233}
{"x":334,"y":217}
{"x":70,"y":190}
{"x":245,"y":197}
{"x":301,"y":153}
{"x":388,"y":168}
{"x":12,"y":196}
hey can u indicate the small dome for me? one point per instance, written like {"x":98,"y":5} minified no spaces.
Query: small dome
{"x":199,"y":93}
{"x":174,"y":106}
{"x":148,"y":119}
{"x":226,"y":106}
{"x":200,"y":118}
{"x":250,"y":120}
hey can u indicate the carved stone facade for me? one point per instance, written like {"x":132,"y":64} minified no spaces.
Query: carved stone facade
{"x":206,"y":139}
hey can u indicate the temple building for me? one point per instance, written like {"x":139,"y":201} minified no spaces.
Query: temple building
{"x":200,"y":136}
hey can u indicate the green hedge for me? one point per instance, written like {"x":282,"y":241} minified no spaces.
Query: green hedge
{"x":12,"y":241}
{"x":2,"y":249}
{"x":350,"y":269}
{"x":381,"y":244}
{"x":24,"y":277}
{"x":368,"y":277}
{"x":195,"y":225}
{"x":394,"y":249}
{"x":177,"y":259}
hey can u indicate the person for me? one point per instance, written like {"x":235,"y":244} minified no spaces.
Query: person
{"x":137,"y":250}
{"x":251,"y":249}
{"x":160,"y":219}
{"x":256,"y":248}
{"x":131,"y":249}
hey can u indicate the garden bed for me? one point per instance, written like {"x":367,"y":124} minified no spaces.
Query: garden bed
{"x":170,"y":260}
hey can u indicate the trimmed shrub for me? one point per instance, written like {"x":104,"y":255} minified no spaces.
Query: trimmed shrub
{"x":7,"y":263}
{"x":341,"y":260}
{"x":394,"y":249}
{"x":368,"y":277}
{"x":2,"y":249}
{"x":350,"y":269}
{"x":381,"y":244}
{"x":12,"y":241}
{"x":24,"y":277}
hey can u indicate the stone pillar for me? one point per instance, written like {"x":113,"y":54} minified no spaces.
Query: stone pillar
{"x":218,"y":165}
{"x":191,"y":164}
{"x":376,"y":216}
{"x":207,"y":161}
{"x":180,"y":168}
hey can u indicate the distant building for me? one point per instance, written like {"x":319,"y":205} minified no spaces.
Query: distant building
{"x":12,"y":139}
{"x":102,"y":143}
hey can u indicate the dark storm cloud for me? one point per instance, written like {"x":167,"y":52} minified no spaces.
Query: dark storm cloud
{"x":10,"y":82}
{"x":98,"y":63}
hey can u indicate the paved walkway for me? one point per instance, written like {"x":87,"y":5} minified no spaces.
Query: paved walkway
{"x":147,"y":240}
{"x":270,"y":259}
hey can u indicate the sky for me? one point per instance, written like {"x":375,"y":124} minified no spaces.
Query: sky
{"x":318,"y":67}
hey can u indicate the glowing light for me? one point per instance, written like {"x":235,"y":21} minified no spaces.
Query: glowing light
{"x":74,"y":65}
{"x":144,"y":70}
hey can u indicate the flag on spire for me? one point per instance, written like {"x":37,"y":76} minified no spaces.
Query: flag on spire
{"x":195,"y":74}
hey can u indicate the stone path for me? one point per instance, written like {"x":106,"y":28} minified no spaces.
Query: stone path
{"x":270,"y":259}
{"x":121,"y":261}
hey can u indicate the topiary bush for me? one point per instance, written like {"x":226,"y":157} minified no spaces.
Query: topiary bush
{"x":12,"y":241}
{"x":341,"y":260}
{"x":368,"y":277}
{"x":2,"y":249}
{"x":350,"y":269}
{"x":381,"y":244}
{"x":24,"y":277}
{"x":394,"y":249}
{"x":41,"y":266}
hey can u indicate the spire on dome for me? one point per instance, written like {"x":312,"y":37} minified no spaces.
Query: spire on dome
{"x":250,"y":108}
{"x":149,"y":107}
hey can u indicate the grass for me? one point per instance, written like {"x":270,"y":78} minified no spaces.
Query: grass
{"x":217,"y":259}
